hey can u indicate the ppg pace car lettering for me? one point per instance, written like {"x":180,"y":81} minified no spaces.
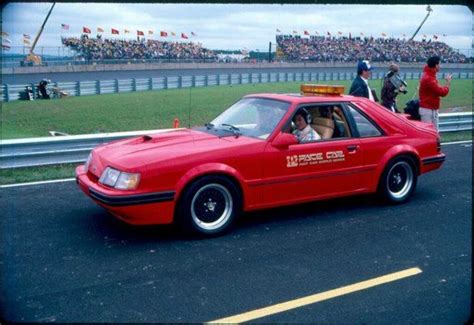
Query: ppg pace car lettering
{"x":314,"y":158}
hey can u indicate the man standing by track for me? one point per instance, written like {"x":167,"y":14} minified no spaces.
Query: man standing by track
{"x":431,"y":91}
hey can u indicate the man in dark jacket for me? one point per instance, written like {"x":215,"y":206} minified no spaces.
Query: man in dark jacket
{"x":431,"y":91}
{"x":390,"y":90}
{"x":360,"y":85}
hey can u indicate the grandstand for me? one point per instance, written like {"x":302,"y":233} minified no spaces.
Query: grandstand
{"x":348,"y":49}
{"x":97,"y":49}
{"x":289,"y":48}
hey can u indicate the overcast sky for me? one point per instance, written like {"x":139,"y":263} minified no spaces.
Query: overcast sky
{"x":235,"y":26}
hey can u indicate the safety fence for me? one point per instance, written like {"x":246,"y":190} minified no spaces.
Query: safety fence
{"x":81,"y":88}
{"x":74,"y":149}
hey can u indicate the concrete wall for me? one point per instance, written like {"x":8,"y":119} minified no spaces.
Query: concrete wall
{"x":220,"y":66}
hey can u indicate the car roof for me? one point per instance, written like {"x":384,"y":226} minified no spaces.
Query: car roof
{"x":296,"y":98}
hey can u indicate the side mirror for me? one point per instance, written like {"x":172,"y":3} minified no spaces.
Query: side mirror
{"x":284,"y":140}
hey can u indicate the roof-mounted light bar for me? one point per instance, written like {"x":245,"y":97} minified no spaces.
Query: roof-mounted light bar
{"x":322,"y":90}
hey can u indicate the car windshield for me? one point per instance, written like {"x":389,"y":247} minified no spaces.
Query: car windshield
{"x":254,"y":117}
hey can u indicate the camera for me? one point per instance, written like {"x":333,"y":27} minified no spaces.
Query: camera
{"x":397,"y":81}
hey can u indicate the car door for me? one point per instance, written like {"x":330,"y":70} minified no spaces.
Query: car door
{"x":319,"y":169}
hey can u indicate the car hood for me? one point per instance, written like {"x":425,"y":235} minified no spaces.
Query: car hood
{"x":132,"y":154}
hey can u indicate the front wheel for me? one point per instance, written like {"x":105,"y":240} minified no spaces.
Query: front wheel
{"x":209,"y":206}
{"x":398,"y":180}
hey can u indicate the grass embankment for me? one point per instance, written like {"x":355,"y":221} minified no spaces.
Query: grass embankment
{"x":157,"y":109}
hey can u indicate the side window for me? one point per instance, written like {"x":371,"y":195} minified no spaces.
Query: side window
{"x":364,"y":126}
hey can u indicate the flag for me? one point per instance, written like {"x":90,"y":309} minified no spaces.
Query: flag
{"x":4,"y":33}
{"x":183,"y":35}
{"x":140,"y":33}
{"x":361,"y":34}
{"x":383,"y":34}
{"x":115,"y":31}
{"x":316,"y":33}
{"x":193,"y":34}
{"x":329,"y":34}
{"x":306,"y":32}
{"x":5,"y":46}
{"x":150,"y":32}
{"x":173,"y":34}
{"x":65,"y":26}
{"x":27,"y":42}
{"x":295,"y":32}
{"x":340,"y":33}
{"x":278,"y":31}
{"x":86,"y":30}
{"x":99,"y":30}
{"x":444,"y":35}
{"x":163,"y":34}
{"x":126,"y":31}
{"x":6,"y":40}
{"x":435,"y":36}
{"x":26,"y":36}
{"x":403,"y":35}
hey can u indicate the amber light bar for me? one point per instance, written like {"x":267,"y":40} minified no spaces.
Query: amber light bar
{"x":312,"y":89}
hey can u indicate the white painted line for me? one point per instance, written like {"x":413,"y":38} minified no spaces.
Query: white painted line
{"x":456,"y":142}
{"x":39,"y":183}
{"x":292,"y":304}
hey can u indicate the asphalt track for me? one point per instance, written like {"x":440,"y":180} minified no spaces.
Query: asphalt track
{"x":65,"y":259}
{"x":19,"y":79}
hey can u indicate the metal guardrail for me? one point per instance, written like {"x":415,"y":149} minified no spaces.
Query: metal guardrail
{"x":81,"y":88}
{"x":74,"y":149}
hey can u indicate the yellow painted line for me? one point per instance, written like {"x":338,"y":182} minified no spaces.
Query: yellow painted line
{"x":292,"y":304}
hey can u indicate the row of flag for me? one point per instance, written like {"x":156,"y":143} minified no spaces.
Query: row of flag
{"x":305,"y":32}
{"x":113,"y":31}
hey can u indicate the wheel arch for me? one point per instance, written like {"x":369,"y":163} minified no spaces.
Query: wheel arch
{"x":394,"y":153}
{"x":211,"y":169}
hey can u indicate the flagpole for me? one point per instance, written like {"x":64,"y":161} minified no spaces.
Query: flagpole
{"x":419,"y":27}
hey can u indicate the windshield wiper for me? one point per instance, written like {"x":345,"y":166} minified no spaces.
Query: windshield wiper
{"x":209,"y":126}
{"x":234,"y":129}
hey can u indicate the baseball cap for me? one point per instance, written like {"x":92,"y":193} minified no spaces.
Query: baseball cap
{"x":364,"y":66}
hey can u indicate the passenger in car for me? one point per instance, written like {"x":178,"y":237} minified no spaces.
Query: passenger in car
{"x":324,"y":124}
{"x":304,"y":132}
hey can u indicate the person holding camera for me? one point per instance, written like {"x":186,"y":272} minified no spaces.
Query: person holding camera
{"x":431,"y":91}
{"x":393,"y":84}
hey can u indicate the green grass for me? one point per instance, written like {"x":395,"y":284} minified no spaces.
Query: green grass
{"x":158,"y":109}
{"x":32,"y":174}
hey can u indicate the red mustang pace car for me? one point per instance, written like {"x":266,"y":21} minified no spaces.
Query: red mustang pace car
{"x":264,"y":151}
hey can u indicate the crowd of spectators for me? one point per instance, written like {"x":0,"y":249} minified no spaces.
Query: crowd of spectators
{"x":97,"y":49}
{"x":292,"y":48}
{"x":344,"y":49}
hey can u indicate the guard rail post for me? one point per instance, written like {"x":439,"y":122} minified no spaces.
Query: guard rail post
{"x":193,"y":81}
{"x":229,"y":79}
{"x":180,"y":82}
{"x":78,"y":88}
{"x":7,"y":93}
{"x":240,"y":78}
{"x":134,"y":85}
{"x":218,"y":80}
{"x":165,"y":83}
{"x":150,"y":83}
{"x":97,"y":87}
{"x":286,"y":76}
{"x":117,"y":88}
{"x":259,"y":77}
{"x":206,"y":80}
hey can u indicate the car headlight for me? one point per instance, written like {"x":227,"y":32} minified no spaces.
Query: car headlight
{"x":119,"y":180}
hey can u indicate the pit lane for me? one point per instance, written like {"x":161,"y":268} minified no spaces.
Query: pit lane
{"x":64,"y":259}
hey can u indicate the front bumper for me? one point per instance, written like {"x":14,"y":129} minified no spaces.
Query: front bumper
{"x":134,"y":208}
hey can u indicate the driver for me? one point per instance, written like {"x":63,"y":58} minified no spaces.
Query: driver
{"x":304,"y":132}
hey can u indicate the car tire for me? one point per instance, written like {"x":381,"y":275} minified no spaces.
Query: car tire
{"x":398,"y":181}
{"x":209,"y":206}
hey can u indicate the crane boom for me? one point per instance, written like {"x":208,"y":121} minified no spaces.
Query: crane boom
{"x":32,"y":57}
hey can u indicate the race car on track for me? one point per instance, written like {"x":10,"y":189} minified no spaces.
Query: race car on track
{"x":248,"y":158}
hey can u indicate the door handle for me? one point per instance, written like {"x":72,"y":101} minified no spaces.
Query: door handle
{"x":353,"y":148}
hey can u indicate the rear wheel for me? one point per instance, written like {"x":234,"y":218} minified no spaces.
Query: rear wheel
{"x":398,"y":180}
{"x":209,"y":205}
